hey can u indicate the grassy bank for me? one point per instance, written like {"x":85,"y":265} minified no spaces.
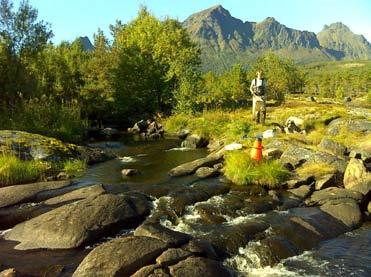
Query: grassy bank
{"x":15,"y":171}
{"x":231,"y":126}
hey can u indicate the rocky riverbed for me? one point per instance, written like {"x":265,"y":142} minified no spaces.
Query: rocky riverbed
{"x":178,"y":218}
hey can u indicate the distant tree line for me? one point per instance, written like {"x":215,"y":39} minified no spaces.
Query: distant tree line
{"x":151,"y":66}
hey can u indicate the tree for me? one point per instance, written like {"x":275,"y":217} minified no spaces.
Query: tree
{"x":157,"y":66}
{"x":282,"y":74}
{"x":22,"y":38}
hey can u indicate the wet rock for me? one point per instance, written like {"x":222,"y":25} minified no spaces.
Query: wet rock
{"x":333,"y":193}
{"x":191,"y":167}
{"x":326,"y":181}
{"x":129,"y":172}
{"x":296,"y":156}
{"x":227,"y":239}
{"x":182,"y":134}
{"x":299,"y":181}
{"x":289,"y":203}
{"x":120,"y":257}
{"x":356,"y":177}
{"x":333,"y":147}
{"x":74,"y":224}
{"x":10,"y":272}
{"x":157,"y":231}
{"x":345,"y":210}
{"x":206,"y":172}
{"x":272,"y":153}
{"x":172,"y":256}
{"x":78,"y":194}
{"x":195,"y":141}
{"x":95,"y":155}
{"x":25,"y":193}
{"x":209,"y":214}
{"x":302,"y":192}
{"x":197,"y":266}
{"x":201,"y":247}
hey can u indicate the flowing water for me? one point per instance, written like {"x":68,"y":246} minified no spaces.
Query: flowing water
{"x":347,"y":255}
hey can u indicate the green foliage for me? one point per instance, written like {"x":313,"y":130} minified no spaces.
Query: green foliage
{"x":47,"y":117}
{"x":241,"y":170}
{"x":15,"y":171}
{"x":74,"y":168}
{"x":157,"y":66}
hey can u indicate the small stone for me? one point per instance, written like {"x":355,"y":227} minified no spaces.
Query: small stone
{"x":62,"y":176}
{"x":218,"y":166}
{"x":303,"y":191}
{"x":206,"y":172}
{"x":129,"y":172}
{"x":273,"y":153}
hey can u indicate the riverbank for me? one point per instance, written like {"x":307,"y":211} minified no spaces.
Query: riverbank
{"x":191,"y":222}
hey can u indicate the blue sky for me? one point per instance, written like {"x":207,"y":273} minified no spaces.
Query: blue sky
{"x":73,"y":18}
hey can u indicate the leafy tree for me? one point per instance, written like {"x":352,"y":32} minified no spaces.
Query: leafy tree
{"x":157,"y":67}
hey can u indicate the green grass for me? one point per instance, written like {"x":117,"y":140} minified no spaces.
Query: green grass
{"x":74,"y":168}
{"x":241,"y":170}
{"x":315,"y":169}
{"x":15,"y":171}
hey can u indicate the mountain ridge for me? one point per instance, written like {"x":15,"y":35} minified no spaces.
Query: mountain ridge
{"x":225,"y":40}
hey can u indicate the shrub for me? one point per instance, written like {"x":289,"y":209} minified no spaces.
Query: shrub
{"x":241,"y":170}
{"x":15,"y":171}
{"x":74,"y":167}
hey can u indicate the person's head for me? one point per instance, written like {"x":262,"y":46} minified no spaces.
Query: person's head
{"x":259,"y":74}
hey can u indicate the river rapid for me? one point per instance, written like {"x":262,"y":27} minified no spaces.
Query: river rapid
{"x":346,"y":255}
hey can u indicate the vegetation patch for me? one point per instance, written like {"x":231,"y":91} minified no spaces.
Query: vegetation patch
{"x":74,"y":168}
{"x":15,"y":171}
{"x":241,"y":170}
{"x":315,"y":169}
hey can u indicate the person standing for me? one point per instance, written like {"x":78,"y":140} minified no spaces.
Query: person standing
{"x":258,"y":89}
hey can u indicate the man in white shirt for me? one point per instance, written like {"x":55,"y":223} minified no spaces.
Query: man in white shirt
{"x":258,"y":89}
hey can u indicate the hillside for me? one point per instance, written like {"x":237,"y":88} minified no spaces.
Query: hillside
{"x":226,"y":40}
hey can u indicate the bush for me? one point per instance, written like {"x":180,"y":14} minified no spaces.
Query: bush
{"x":15,"y":171}
{"x":47,"y":117}
{"x":241,"y":170}
{"x":74,"y":168}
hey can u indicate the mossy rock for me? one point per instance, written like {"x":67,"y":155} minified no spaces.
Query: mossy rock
{"x":29,"y":146}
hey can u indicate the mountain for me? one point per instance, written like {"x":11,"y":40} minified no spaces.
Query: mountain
{"x":86,"y":43}
{"x":226,"y":40}
{"x":338,"y":38}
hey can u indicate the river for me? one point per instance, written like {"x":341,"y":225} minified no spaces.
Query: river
{"x":346,"y":255}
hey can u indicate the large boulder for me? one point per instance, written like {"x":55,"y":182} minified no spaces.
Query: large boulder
{"x":195,"y":141}
{"x":172,"y":256}
{"x":357,"y":177}
{"x":296,"y":155}
{"x":348,"y":125}
{"x":302,"y":192}
{"x":120,"y":257}
{"x":191,"y":167}
{"x":78,"y":194}
{"x":197,"y":266}
{"x":333,"y":147}
{"x":320,"y":197}
{"x":74,"y":224}
{"x":25,"y":193}
{"x":345,"y":210}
